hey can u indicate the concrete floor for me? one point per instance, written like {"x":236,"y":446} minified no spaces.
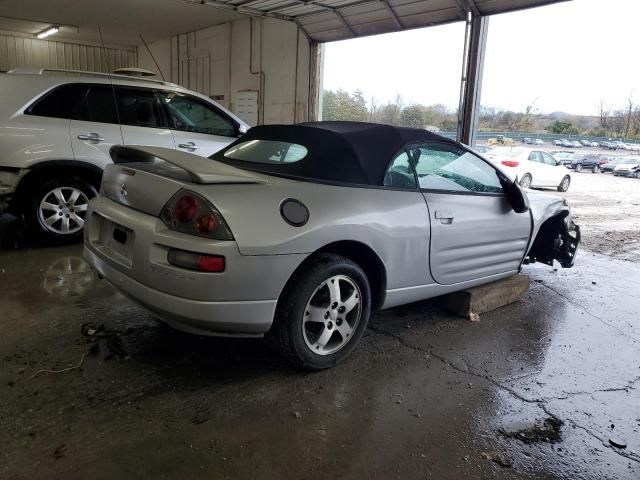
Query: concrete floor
{"x":426,"y":395}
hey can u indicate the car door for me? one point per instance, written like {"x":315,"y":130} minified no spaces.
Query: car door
{"x":141,"y":118}
{"x":197,"y":126}
{"x":555,"y":171}
{"x":474,"y":231}
{"x":536,"y":169}
{"x":95,"y":128}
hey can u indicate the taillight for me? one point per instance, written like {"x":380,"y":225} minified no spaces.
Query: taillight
{"x":188,"y":212}
{"x":196,"y":261}
{"x":510,"y":163}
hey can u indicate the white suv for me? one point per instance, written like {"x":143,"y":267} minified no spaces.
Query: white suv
{"x":57,"y":126}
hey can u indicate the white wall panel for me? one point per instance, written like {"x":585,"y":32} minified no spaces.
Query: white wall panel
{"x":19,"y":51}
{"x":264,"y":55}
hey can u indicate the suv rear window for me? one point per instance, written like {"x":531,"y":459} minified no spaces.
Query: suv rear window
{"x":58,"y":103}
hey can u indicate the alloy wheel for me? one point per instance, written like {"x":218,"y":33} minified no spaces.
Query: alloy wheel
{"x":63,"y":209}
{"x":332,"y":315}
{"x":525,"y":182}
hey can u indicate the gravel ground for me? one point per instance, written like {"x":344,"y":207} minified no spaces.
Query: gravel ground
{"x":608,"y":210}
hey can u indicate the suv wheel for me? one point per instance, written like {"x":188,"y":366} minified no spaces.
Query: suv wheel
{"x":578,"y":167}
{"x":57,"y":209}
{"x":322,"y":316}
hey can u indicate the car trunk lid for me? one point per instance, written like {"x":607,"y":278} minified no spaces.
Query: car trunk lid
{"x":145,"y":178}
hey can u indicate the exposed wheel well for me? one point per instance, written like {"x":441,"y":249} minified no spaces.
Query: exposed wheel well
{"x":365,"y":257}
{"x":40,"y":173}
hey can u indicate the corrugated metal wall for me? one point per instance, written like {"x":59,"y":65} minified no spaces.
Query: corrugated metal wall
{"x":16,"y":51}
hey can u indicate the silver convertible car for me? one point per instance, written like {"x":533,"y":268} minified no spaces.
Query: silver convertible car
{"x":302,"y":231}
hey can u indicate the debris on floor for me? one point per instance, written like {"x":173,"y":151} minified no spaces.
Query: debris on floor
{"x":498,"y":459}
{"x":547,"y":430}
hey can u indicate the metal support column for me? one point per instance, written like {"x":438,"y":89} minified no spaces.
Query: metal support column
{"x":471,"y":86}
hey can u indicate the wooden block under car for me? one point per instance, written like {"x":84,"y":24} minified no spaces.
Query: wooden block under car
{"x":474,"y":301}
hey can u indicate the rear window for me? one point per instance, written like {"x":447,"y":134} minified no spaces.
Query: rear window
{"x":267,"y":151}
{"x":58,"y":103}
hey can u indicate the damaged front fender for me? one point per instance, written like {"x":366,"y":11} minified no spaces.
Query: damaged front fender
{"x":555,"y":235}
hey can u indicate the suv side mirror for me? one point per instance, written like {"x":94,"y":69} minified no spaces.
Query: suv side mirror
{"x":241,"y":130}
{"x":515,"y":194}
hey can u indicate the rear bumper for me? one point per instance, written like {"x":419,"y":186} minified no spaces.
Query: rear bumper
{"x":236,"y":318}
{"x":240,"y":301}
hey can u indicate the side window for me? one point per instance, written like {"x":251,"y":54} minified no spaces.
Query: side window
{"x":138,"y":107}
{"x":399,"y":173}
{"x":98,"y":105}
{"x":548,"y":159}
{"x":190,"y":114}
{"x":448,"y":168}
{"x":58,"y":103}
{"x":535,"y":157}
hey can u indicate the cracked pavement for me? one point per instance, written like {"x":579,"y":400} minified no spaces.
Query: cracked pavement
{"x":426,"y":394}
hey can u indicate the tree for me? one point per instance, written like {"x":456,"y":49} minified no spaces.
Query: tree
{"x":412,"y":116}
{"x":340,"y":105}
{"x":565,"y":128}
{"x":605,"y":111}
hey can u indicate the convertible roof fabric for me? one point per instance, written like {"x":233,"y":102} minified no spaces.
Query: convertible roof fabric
{"x":340,"y":152}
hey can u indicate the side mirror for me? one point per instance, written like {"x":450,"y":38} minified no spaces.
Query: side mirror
{"x":515,"y":194}
{"x":241,"y":130}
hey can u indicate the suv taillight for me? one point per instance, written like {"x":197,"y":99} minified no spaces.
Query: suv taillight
{"x":188,"y":212}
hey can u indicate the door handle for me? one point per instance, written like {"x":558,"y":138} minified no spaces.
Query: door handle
{"x":188,"y":146}
{"x":92,"y":137}
{"x":444,"y":216}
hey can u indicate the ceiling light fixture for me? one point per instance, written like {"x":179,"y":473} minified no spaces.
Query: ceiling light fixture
{"x":48,"y":31}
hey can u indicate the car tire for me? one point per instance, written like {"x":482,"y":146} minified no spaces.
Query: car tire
{"x":55,"y":210}
{"x":526,"y":181}
{"x":312,"y":328}
{"x":564,"y":184}
{"x":578,"y":167}
{"x":596,"y":169}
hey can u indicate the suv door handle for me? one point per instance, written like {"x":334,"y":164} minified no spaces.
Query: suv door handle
{"x":92,"y":137}
{"x":444,"y":216}
{"x":189,"y":146}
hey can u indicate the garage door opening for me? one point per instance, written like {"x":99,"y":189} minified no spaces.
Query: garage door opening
{"x":407,"y":78}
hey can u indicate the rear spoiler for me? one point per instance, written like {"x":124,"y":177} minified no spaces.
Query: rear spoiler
{"x":199,"y":169}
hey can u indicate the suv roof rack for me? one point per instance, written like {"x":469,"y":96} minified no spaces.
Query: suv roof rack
{"x":44,"y":71}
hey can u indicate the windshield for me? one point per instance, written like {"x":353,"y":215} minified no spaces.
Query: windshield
{"x":267,"y":151}
{"x":506,"y":152}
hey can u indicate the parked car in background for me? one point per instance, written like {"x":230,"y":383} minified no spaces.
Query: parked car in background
{"x":56,"y":131}
{"x":527,"y":140}
{"x":594,"y":144}
{"x":608,"y":145}
{"x":481,"y":148}
{"x":585,"y":143}
{"x":533,"y":168}
{"x":633,"y":172}
{"x":558,"y":142}
{"x":586,"y":161}
{"x":611,"y":164}
{"x":279,"y":234}
{"x":564,"y":157}
{"x":576,"y":144}
{"x":538,"y":141}
{"x":626,"y":165}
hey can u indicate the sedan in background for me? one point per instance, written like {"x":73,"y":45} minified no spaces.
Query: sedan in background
{"x":532,"y":168}
{"x":586,"y":161}
{"x":626,"y":166}
{"x":612,"y":163}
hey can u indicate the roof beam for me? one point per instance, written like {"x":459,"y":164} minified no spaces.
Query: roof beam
{"x":344,"y":22}
{"x":392,"y":14}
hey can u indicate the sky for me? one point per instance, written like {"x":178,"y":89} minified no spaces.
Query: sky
{"x":564,"y":57}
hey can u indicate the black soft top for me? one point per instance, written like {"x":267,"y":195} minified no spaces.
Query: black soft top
{"x":340,"y":152}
